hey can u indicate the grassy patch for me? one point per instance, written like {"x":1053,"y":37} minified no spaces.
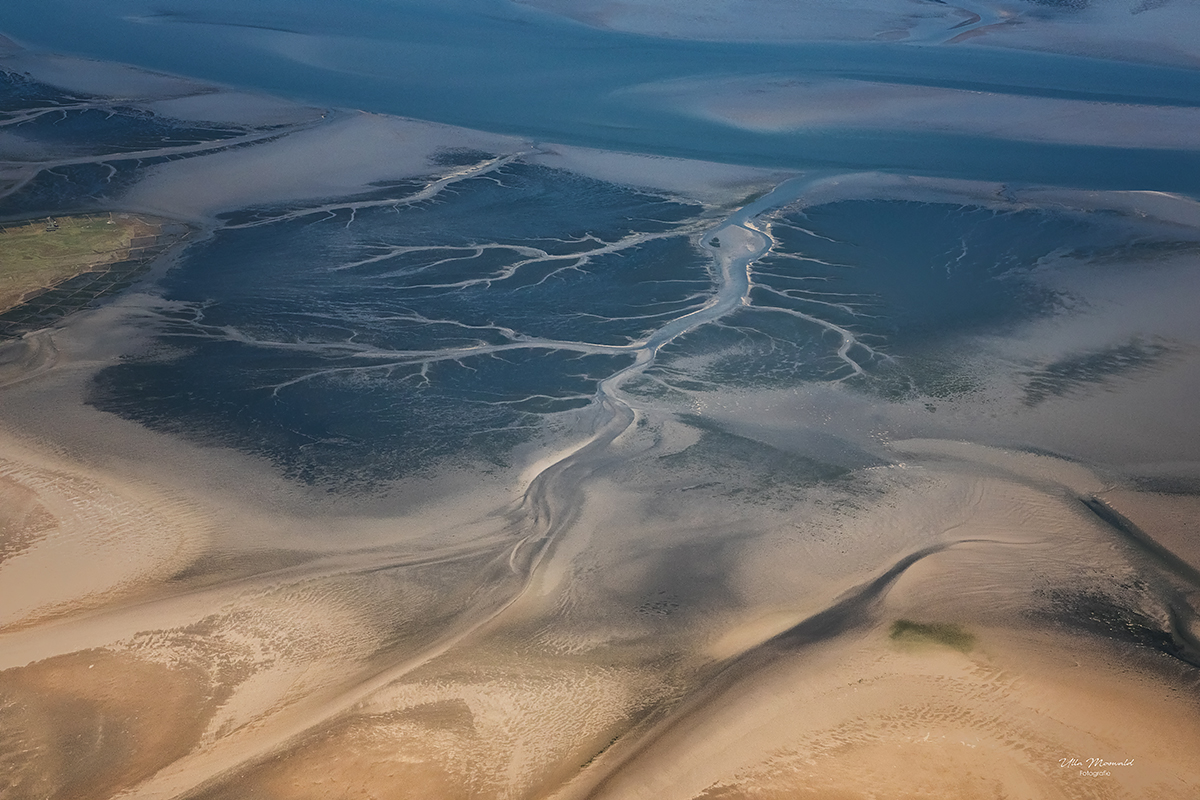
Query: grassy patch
{"x":36,"y":256}
{"x":907,"y":632}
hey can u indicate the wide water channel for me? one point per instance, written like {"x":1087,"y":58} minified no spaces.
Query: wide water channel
{"x":497,"y":66}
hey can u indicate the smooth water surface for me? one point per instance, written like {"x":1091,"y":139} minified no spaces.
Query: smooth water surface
{"x":496,"y":66}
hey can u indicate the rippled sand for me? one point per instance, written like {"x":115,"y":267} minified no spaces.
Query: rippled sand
{"x":665,"y":647}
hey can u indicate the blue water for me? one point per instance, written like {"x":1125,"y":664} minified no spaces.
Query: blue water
{"x":366,"y":338}
{"x":77,"y":133}
{"x":492,"y":65}
{"x":903,"y":278}
{"x":320,"y":340}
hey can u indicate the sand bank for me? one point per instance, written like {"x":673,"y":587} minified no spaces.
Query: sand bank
{"x":773,"y":105}
{"x":193,"y":587}
{"x":598,"y":683}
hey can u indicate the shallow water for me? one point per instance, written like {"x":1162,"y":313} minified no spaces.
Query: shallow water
{"x":367,"y":342}
{"x":496,"y":66}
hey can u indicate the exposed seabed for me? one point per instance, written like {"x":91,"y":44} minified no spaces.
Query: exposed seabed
{"x":759,"y":534}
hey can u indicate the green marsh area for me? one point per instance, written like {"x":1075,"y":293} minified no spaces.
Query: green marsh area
{"x":38,"y":255}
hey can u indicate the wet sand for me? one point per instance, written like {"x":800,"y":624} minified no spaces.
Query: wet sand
{"x":839,"y":705}
{"x":774,"y":105}
{"x":627,"y":668}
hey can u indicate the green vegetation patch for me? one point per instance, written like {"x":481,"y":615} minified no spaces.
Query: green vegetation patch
{"x":39,"y":255}
{"x":907,"y":632}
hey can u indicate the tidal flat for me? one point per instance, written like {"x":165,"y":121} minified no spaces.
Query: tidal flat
{"x":450,"y":462}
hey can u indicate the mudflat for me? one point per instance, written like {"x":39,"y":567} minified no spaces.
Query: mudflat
{"x":448,"y":463}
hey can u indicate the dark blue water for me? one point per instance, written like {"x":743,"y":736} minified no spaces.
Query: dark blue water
{"x":72,"y":128}
{"x":355,"y":345}
{"x":19,"y":93}
{"x":381,"y":338}
{"x":345,"y":345}
{"x":902,"y":277}
{"x":492,"y":65}
{"x":72,"y":131}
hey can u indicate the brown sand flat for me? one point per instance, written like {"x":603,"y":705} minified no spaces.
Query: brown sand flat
{"x":558,"y":703}
{"x":500,"y":728}
{"x":1171,"y":520}
{"x":1005,"y":721}
{"x":865,"y":714}
{"x":867,"y":718}
{"x":102,"y":541}
{"x":23,"y":520}
{"x":94,"y":723}
{"x":277,"y":654}
{"x":600,"y":682}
